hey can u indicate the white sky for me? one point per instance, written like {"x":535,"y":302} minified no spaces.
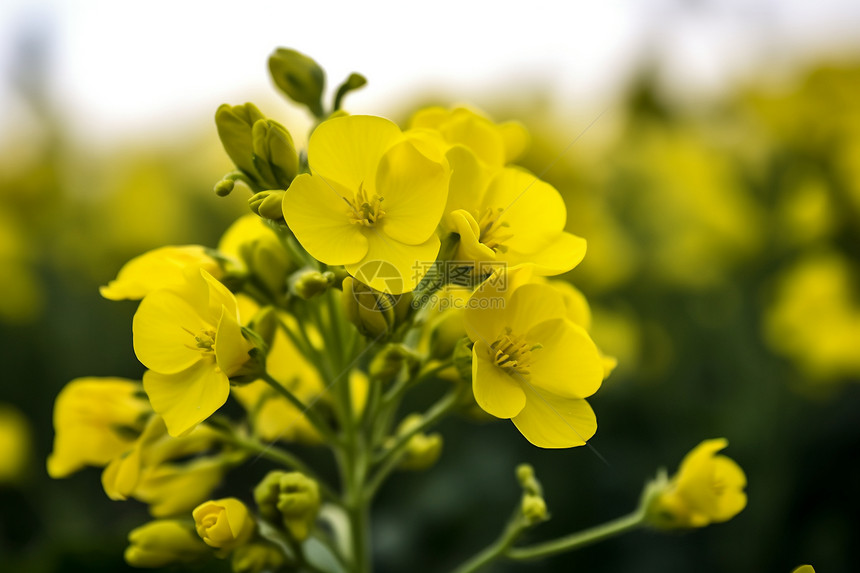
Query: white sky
{"x":122,"y":67}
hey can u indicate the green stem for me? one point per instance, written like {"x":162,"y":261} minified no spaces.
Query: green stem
{"x":391,"y":401}
{"x":580,"y":539}
{"x":313,"y":417}
{"x":387,"y":462}
{"x":515,"y":526}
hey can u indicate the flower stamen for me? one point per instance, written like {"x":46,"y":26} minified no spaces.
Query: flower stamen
{"x":493,"y":231}
{"x":512,"y":353}
{"x":366,"y":210}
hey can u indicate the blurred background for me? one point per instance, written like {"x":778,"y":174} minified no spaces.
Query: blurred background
{"x":708,"y":151}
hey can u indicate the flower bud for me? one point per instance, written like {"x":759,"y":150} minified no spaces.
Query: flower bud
{"x":423,"y":450}
{"x":533,"y":506}
{"x":387,"y":363}
{"x":527,"y":479}
{"x":291,"y":498}
{"x":274,"y":154}
{"x":224,"y":187}
{"x":299,"y":77}
{"x":164,"y":542}
{"x":268,"y":261}
{"x":299,"y":503}
{"x":234,"y":124}
{"x":307,"y":283}
{"x":534,"y":509}
{"x":371,"y":311}
{"x":707,"y":489}
{"x":353,"y":82}
{"x":223,"y":523}
{"x":257,"y":557}
{"x":265,"y":324}
{"x":267,"y":204}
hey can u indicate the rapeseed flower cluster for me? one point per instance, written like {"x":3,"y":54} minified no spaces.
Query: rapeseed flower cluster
{"x":378,"y":260}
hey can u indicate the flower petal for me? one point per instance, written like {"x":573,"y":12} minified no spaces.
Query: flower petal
{"x":187,"y":398}
{"x":516,"y":138}
{"x":469,"y":180}
{"x":347,"y":150}
{"x":470,"y":248}
{"x":532,"y":208}
{"x":568,"y":364}
{"x":550,"y":421}
{"x":318,"y":212}
{"x":414,"y":190}
{"x":160,"y":332}
{"x":231,"y":348}
{"x":484,"y":316}
{"x":559,"y":253}
{"x":532,"y":304}
{"x":391,"y":266}
{"x":478,"y":133}
{"x":156,"y":269}
{"x":495,"y":391}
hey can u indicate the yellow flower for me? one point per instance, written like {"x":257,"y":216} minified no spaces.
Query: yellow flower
{"x":491,"y":143}
{"x":15,"y":443}
{"x":371,"y":203}
{"x":531,"y":364}
{"x":95,"y":420}
{"x":163,"y":542}
{"x":160,"y":268}
{"x":815,"y":317}
{"x":190,"y":339}
{"x":804,"y":569}
{"x":223,"y":523}
{"x":708,"y":488}
{"x":156,"y":470}
{"x":508,"y":217}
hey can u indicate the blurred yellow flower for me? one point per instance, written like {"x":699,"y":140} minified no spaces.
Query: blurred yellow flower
{"x":164,"y":542}
{"x":272,"y":416}
{"x":708,"y":488}
{"x":531,"y":364}
{"x":172,"y":475}
{"x":804,"y":569}
{"x":814,"y":318}
{"x":190,"y":338}
{"x":493,"y":144}
{"x":159,"y":268}
{"x":290,"y":498}
{"x":15,"y":444}
{"x":372,"y":196}
{"x":257,"y":557}
{"x":95,"y":420}
{"x":223,"y":523}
